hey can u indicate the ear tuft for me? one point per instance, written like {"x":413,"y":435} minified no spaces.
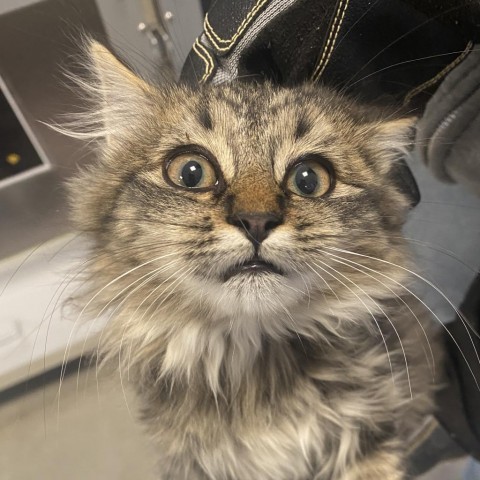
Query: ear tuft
{"x":396,"y":135}
{"x":115,"y":98}
{"x":395,"y":138}
{"x":121,"y":95}
{"x":114,"y":77}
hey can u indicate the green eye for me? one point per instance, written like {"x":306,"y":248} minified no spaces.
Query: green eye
{"x":309,"y":179}
{"x":191,"y":171}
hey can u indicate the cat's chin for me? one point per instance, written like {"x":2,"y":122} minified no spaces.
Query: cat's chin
{"x":256,"y":277}
{"x":257,"y":291}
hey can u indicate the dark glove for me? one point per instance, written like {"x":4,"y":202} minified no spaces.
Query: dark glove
{"x":459,"y":401}
{"x":394,"y":51}
{"x":448,"y":135}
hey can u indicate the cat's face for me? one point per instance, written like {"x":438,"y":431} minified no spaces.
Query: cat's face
{"x":227,"y":201}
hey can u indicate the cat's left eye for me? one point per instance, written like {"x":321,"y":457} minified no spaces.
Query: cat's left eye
{"x":191,"y":171}
{"x":309,"y":178}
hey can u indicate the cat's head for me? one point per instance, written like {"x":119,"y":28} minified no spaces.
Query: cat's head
{"x":237,"y":203}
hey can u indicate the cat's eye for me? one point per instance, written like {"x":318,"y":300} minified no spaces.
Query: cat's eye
{"x":191,"y":171}
{"x":309,"y":178}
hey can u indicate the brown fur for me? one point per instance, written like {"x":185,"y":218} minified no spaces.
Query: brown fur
{"x":320,"y":373}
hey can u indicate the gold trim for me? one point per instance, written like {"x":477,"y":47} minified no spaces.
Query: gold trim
{"x":332,"y":38}
{"x":208,"y":59}
{"x":215,"y":39}
{"x":438,"y":76}
{"x":421,"y":435}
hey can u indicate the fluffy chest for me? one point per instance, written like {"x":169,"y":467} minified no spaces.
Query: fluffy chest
{"x":313,"y":428}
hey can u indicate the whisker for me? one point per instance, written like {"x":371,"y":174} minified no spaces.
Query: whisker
{"x":247,"y":231}
{"x":368,"y":310}
{"x":405,"y":62}
{"x":181,"y":270}
{"x":295,"y":327}
{"x":175,"y":285}
{"x":307,"y":288}
{"x":429,"y":283}
{"x":69,"y":340}
{"x":150,"y":276}
{"x":396,"y":295}
{"x":462,"y":318}
{"x":132,"y":316}
{"x":384,"y":314}
{"x":345,"y":35}
{"x":22,"y":263}
{"x":84,"y":266}
{"x":92,"y":322}
{"x":124,"y":393}
{"x":420,"y":25}
{"x":359,"y":233}
{"x":325,"y":296}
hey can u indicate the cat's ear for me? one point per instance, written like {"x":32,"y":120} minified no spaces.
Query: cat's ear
{"x":395,"y":139}
{"x":120,"y":95}
{"x":395,"y":136}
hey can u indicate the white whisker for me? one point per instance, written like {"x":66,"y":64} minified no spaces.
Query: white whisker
{"x":368,"y":310}
{"x":349,"y":264}
{"x":385,"y":315}
{"x":77,"y":320}
{"x":425,"y":305}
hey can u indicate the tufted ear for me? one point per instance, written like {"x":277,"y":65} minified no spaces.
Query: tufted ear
{"x":119,"y":94}
{"x":395,"y":139}
{"x":395,"y":136}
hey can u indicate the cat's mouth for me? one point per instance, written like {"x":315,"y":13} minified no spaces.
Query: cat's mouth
{"x":253,"y":266}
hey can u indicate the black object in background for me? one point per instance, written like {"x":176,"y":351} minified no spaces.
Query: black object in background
{"x":17,"y":153}
{"x":459,"y":401}
{"x":388,"y":51}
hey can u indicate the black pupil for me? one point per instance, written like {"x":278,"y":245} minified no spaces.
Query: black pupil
{"x":306,"y":179}
{"x":191,"y":174}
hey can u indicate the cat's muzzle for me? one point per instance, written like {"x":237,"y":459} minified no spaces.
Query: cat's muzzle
{"x":255,"y":266}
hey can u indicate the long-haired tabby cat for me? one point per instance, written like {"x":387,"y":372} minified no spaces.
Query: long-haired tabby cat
{"x":249,"y":257}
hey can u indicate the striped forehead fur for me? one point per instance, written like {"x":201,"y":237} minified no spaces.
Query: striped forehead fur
{"x":285,"y":377}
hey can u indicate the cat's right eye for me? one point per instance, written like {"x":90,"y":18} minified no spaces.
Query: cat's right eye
{"x":191,"y":171}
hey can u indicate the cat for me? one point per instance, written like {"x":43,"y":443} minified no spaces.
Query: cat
{"x":247,"y":252}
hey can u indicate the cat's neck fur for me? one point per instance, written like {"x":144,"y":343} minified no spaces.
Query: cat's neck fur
{"x":227,"y":356}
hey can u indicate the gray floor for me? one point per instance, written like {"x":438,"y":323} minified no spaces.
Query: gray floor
{"x":86,"y":434}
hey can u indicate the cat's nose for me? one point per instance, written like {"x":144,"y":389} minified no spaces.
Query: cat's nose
{"x":256,"y":226}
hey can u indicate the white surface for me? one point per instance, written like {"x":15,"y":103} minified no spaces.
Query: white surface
{"x":37,"y":329}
